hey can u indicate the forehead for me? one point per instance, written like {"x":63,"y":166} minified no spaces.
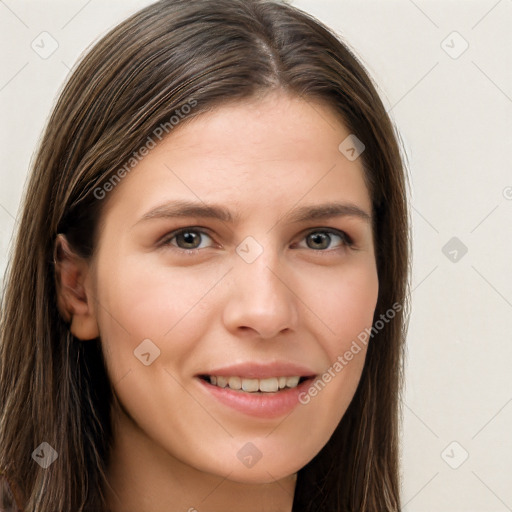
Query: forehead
{"x":277,"y":126}
{"x":254,"y":155}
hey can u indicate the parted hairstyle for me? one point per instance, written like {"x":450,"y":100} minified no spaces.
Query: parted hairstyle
{"x":54,"y":387}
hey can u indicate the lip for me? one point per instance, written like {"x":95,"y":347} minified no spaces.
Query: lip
{"x":262,"y":371}
{"x":259,"y":405}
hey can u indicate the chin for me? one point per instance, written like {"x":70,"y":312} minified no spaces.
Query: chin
{"x":266,"y":470}
{"x":263,"y":475}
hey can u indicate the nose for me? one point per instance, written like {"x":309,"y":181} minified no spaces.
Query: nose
{"x":261,"y":301}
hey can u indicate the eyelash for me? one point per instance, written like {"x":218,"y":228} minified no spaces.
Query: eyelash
{"x":346,"y":240}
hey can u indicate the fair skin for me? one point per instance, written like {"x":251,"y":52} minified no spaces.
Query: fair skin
{"x":301,"y":301}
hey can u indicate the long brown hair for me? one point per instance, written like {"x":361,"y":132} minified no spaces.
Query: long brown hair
{"x":55,"y":388}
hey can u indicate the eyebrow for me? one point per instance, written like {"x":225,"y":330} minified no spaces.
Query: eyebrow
{"x":177,"y":209}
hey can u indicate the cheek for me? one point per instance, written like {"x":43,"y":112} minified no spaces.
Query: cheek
{"x":345,"y":303}
{"x":140,"y":300}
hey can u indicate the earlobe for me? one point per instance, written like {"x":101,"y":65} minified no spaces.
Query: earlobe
{"x":75,"y":300}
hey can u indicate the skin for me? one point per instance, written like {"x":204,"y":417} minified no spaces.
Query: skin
{"x":175,"y":445}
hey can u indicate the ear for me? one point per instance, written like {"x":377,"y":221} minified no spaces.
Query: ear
{"x":75,"y":300}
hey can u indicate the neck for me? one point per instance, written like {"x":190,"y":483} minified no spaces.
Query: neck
{"x":145,"y":478}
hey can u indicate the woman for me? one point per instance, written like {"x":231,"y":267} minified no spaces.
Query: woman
{"x":208,"y":291}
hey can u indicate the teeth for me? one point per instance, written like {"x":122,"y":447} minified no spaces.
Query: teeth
{"x":235,"y":382}
{"x":251,"y":385}
{"x":270,"y":385}
{"x":222,"y":382}
{"x":292,"y":382}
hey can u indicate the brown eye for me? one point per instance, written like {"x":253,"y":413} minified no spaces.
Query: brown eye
{"x":322,"y":240}
{"x":187,"y":239}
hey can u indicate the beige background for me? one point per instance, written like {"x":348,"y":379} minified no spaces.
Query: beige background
{"x":454,"y":111}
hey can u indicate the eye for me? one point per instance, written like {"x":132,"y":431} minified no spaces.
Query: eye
{"x":322,"y":239}
{"x":187,"y":239}
{"x":192,"y":239}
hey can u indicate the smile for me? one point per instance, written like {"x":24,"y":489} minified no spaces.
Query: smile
{"x":248,"y":385}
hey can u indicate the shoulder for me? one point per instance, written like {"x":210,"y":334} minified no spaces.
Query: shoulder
{"x":8,"y":501}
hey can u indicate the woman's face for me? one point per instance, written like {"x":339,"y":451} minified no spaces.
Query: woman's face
{"x":219,"y":260}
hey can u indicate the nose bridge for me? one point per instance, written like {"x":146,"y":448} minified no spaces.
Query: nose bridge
{"x":259,"y":297}
{"x":261,"y":277}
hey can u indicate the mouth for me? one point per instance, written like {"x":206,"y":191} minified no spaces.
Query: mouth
{"x":260,"y":390}
{"x":266,"y":398}
{"x":255,"y":386}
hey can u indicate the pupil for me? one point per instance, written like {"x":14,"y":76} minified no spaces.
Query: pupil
{"x":189,"y":239}
{"x":320,"y":239}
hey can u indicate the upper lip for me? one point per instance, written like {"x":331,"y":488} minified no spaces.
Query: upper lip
{"x":262,"y":370}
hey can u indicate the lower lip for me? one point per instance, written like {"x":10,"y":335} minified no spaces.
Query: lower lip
{"x":261,"y":405}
